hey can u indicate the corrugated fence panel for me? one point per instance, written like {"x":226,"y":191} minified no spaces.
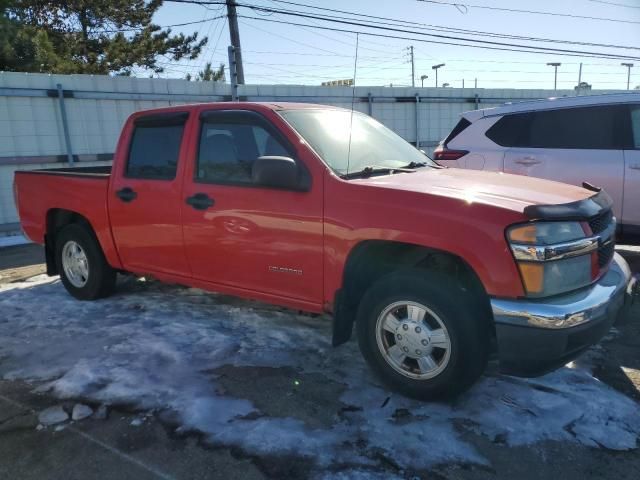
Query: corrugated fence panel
{"x":32,"y":134}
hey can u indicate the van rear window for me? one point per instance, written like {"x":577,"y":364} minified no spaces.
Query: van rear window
{"x":457,"y":130}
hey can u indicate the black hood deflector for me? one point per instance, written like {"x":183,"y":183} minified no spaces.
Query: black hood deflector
{"x":580,"y":210}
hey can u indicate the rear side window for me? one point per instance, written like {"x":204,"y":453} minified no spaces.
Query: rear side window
{"x":511,"y":130}
{"x":155,"y":147}
{"x":457,"y":130}
{"x":601,"y":127}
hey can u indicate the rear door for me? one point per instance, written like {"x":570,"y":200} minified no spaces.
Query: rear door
{"x":246,"y":236}
{"x":145,"y":196}
{"x":570,"y":145}
{"x":631,"y":209}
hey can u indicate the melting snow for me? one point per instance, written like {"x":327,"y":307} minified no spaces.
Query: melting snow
{"x":155,"y":346}
{"x":53,"y":415}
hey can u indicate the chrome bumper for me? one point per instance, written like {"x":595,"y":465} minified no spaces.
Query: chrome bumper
{"x":603,"y":299}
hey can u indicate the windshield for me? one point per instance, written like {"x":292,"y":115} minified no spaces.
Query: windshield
{"x":372,"y":144}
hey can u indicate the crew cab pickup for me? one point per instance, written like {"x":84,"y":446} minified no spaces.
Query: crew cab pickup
{"x":321,"y":209}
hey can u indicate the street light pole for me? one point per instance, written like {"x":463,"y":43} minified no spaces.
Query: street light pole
{"x":628,"y":65}
{"x":555,"y":65}
{"x":423,"y":78}
{"x":436,"y":67}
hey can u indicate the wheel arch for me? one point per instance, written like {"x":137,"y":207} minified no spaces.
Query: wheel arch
{"x":369,"y":260}
{"x":56,"y":219}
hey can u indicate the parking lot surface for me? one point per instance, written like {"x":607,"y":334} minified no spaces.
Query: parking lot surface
{"x":180,"y":383}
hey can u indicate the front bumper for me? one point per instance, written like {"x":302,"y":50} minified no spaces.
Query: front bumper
{"x":538,"y":335}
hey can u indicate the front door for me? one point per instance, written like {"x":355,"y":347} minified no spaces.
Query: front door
{"x":145,"y":200}
{"x":631,"y":210}
{"x":239,"y":234}
{"x":572,"y":145}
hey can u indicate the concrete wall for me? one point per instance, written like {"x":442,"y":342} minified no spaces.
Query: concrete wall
{"x":32,"y":134}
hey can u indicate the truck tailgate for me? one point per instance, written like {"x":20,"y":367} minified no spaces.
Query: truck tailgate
{"x":40,"y":193}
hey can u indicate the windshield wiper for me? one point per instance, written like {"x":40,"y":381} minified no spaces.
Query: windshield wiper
{"x":373,"y":170}
{"x":416,"y":165}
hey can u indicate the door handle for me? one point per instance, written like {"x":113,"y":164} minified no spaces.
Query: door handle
{"x":635,"y":166}
{"x":126,"y":194}
{"x":528,"y":161}
{"x":200,"y":201}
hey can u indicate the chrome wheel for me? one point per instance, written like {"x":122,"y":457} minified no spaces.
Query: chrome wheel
{"x":75,"y":264}
{"x":413,"y":340}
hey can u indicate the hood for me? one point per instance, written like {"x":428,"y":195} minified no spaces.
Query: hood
{"x":513,"y":192}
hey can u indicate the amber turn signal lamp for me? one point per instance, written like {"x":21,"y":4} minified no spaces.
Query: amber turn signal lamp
{"x":532,"y":277}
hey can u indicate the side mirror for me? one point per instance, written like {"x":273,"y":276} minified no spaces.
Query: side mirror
{"x":277,"y":172}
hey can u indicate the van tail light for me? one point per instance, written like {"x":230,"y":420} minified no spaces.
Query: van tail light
{"x":448,"y":154}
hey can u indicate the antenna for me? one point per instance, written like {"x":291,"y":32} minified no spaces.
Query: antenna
{"x":353,"y":99}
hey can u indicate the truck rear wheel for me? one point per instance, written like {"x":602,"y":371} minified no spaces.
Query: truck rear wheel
{"x":83,"y":269}
{"x":422,"y":338}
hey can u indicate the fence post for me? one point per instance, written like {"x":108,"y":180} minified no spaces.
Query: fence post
{"x":233,"y":73}
{"x":370,"y":98}
{"x":418,"y":121}
{"x":65,"y":124}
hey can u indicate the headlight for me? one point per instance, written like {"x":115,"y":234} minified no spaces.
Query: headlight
{"x":553,"y":257}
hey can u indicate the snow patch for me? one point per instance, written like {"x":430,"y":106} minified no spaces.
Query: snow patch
{"x":155,"y":346}
{"x":52,"y":416}
{"x":13,"y":240}
{"x":80,"y":412}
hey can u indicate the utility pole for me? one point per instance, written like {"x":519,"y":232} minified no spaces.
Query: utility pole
{"x":580,"y":74}
{"x":436,"y":67}
{"x":413,"y":66}
{"x":555,"y":65}
{"x":463,"y":83}
{"x":475,"y":83}
{"x":628,"y":65}
{"x":234,"y":35}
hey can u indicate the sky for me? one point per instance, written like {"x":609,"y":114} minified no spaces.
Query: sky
{"x":276,"y":53}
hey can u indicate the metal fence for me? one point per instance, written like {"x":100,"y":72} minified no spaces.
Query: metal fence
{"x":46,"y":120}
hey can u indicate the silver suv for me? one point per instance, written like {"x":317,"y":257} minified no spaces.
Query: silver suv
{"x":593,"y":139}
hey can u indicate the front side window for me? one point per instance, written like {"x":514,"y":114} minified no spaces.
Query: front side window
{"x":228,"y":151}
{"x":349,"y":143}
{"x":154,"y":149}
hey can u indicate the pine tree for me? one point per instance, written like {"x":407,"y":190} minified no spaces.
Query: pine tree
{"x":84,"y":36}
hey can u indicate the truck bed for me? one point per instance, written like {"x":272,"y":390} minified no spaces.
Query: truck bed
{"x":40,"y":193}
{"x":101,"y":171}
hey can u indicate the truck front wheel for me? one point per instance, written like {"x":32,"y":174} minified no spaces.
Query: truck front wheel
{"x":421,"y":335}
{"x":83,"y":269}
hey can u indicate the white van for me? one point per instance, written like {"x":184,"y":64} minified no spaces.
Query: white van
{"x":593,"y":139}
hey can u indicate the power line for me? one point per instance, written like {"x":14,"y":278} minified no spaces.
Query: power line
{"x":494,"y":45}
{"x":442,"y":28}
{"x":487,"y":44}
{"x":535,"y":12}
{"x":136,"y":29}
{"x":616,"y":4}
{"x":328,"y":18}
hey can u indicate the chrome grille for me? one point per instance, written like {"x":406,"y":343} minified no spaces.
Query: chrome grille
{"x":601,"y":222}
{"x":607,"y":244}
{"x":605,"y":253}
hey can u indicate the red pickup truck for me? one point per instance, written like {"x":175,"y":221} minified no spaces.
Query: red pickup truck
{"x":322,"y":209}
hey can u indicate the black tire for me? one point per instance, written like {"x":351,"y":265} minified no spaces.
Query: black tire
{"x":101,"y":279}
{"x":468,"y":332}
